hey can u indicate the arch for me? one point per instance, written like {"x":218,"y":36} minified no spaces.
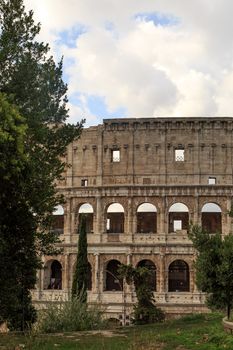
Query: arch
{"x":53,"y":275}
{"x":115,"y":218}
{"x":178,"y":276}
{"x":211,"y":218}
{"x":112,"y":280}
{"x":178,"y":217}
{"x":57,"y":225}
{"x":178,"y":208}
{"x":146,"y":218}
{"x":86,"y":210}
{"x":115,"y":208}
{"x":150,"y":266}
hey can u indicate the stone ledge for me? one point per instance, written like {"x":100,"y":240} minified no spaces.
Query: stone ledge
{"x":227,"y":325}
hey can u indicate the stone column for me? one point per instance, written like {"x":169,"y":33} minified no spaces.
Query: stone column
{"x":129,"y":225}
{"x":99,"y":177}
{"x":99,"y":216}
{"x":65,"y":280}
{"x":69,"y":173}
{"x":226,"y":218}
{"x":67,"y":222}
{"x":161,"y":285}
{"x":73,"y":228}
{"x":161,"y":217}
{"x":96,"y":287}
{"x":196,"y":211}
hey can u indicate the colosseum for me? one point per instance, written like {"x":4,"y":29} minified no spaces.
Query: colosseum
{"x":140,"y":182}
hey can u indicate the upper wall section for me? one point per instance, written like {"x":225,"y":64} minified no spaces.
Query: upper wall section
{"x":153,"y":151}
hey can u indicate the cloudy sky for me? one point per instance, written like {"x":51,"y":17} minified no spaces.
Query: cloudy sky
{"x":142,"y":58}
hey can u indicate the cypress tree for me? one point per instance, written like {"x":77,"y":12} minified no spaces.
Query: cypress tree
{"x":79,"y":287}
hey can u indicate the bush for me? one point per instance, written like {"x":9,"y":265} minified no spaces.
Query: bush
{"x":70,"y":316}
{"x":148,"y":314}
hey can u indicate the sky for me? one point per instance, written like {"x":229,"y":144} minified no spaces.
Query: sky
{"x":141,"y":58}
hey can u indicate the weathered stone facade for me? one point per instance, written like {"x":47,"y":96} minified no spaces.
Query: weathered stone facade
{"x":162,"y":161}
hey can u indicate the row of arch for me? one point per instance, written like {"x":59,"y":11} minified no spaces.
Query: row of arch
{"x":211,"y":218}
{"x":178,"y":276}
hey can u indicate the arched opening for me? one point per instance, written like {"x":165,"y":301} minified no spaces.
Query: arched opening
{"x":113,"y":282}
{"x":89,"y":277}
{"x":57,"y":225}
{"x":178,"y":276}
{"x":150,"y":266}
{"x":53,"y":275}
{"x":178,"y":217}
{"x":211,"y":218}
{"x":115,"y":218}
{"x":86,"y":210}
{"x":146,"y":218}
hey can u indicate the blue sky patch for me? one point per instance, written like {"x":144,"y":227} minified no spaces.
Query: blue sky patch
{"x":157,"y":18}
{"x":69,"y":37}
{"x":97,"y":106}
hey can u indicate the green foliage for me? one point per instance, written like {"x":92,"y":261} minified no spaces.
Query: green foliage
{"x":214,"y":267}
{"x":70,"y":316}
{"x":195,"y":332}
{"x":79,"y":287}
{"x":17,"y":247}
{"x":33,"y":142}
{"x":145,"y":311}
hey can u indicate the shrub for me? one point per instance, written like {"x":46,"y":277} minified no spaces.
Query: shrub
{"x":147,"y":314}
{"x":70,"y":316}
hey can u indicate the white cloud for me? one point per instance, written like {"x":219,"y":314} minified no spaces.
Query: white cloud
{"x":147,"y":69}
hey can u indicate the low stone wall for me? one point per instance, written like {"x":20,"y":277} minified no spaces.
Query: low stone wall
{"x":227,"y":325}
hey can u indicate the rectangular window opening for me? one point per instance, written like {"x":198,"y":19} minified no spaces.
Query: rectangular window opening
{"x":84,"y":182}
{"x":108,"y":225}
{"x":115,"y":155}
{"x":179,"y":155}
{"x":212,"y":181}
{"x":177,"y":225}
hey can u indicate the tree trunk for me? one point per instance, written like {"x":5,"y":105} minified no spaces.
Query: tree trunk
{"x":228,"y":311}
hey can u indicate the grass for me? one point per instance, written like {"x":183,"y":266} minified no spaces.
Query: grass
{"x":197,"y":332}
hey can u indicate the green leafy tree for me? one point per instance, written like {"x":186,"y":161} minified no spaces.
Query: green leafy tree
{"x":214,"y":268}
{"x":18,"y":259}
{"x":33,"y":82}
{"x":79,"y":287}
{"x":145,"y":311}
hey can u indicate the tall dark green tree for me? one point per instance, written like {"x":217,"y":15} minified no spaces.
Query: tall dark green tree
{"x":145,"y":311}
{"x":18,"y":257}
{"x":80,"y":278}
{"x":32,"y":81}
{"x":214,"y":268}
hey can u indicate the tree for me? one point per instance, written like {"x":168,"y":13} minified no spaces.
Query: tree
{"x":17,"y":251}
{"x":214,"y":268}
{"x":145,"y":311}
{"x":32,"y":81}
{"x":79,"y":287}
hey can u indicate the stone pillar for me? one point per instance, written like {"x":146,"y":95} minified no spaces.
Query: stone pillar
{"x":193,"y":276}
{"x":196,"y":211}
{"x":69,"y":173}
{"x":65,"y":279}
{"x":73,"y":228}
{"x":96,"y":286}
{"x":99,"y":177}
{"x":161,"y":217}
{"x":161,"y":279}
{"x":129,"y":225}
{"x":98,"y":227}
{"x":227,"y":219}
{"x":67,"y":222}
{"x":133,"y":222}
